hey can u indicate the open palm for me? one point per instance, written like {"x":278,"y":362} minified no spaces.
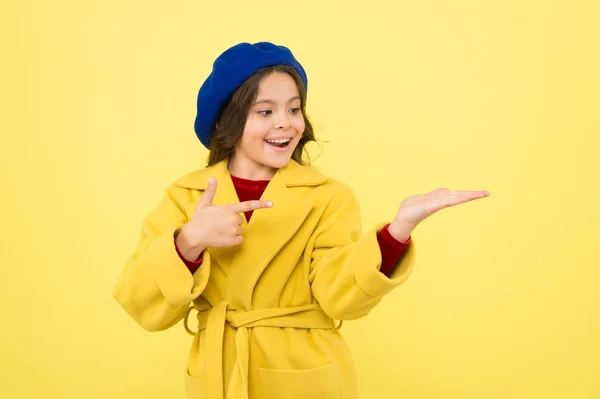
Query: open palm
{"x":413,"y":210}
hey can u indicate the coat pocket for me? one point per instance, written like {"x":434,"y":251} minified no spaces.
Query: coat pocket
{"x":320,"y":383}
{"x":195,"y":388}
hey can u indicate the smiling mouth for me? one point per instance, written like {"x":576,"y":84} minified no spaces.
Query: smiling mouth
{"x":282,"y":143}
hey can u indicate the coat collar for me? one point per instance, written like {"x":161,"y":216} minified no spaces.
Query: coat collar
{"x":292,"y":175}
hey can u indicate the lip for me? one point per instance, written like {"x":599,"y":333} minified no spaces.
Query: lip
{"x":280,"y":138}
{"x":277,"y":149}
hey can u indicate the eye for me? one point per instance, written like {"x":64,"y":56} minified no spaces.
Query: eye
{"x":265,"y":112}
{"x":294,"y":111}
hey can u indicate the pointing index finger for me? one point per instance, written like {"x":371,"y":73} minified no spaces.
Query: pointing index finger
{"x":247,"y":206}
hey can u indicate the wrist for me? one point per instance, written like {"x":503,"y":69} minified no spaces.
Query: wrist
{"x":186,"y":241}
{"x":400,"y":231}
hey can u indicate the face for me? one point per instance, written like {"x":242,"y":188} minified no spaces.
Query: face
{"x":273,"y":129}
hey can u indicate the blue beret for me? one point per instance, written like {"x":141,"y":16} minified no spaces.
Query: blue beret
{"x":230,"y":70}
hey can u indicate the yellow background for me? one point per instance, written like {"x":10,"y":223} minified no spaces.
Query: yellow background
{"x":97,"y":109}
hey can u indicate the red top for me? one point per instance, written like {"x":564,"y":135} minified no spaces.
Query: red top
{"x":249,"y":190}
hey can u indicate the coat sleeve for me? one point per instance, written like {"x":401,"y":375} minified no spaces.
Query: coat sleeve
{"x":155,"y":287}
{"x":345,"y":277}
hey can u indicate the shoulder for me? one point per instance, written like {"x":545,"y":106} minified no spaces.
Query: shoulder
{"x":337,"y":189}
{"x":198,"y":179}
{"x":295,"y":175}
{"x":183,"y":190}
{"x":336,"y":205}
{"x":339,"y":194}
{"x":327,"y":190}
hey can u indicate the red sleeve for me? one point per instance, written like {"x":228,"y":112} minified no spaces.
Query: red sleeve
{"x":192,"y":266}
{"x":391,"y":250}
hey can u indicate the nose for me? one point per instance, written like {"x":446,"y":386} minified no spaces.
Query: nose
{"x":283,"y":122}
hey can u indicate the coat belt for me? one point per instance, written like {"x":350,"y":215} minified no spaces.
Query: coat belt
{"x":213,"y":321}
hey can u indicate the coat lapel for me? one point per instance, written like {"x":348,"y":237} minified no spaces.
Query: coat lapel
{"x":269,"y":229}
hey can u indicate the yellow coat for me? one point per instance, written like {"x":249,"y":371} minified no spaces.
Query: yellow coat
{"x":267,"y":309}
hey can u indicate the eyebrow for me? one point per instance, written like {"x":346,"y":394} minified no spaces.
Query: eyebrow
{"x":266,"y":100}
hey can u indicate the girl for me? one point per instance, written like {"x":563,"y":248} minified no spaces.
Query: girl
{"x":268,"y":251}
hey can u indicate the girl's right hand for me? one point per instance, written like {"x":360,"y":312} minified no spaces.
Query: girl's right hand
{"x":214,"y":225}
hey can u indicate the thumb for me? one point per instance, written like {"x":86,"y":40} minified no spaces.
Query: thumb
{"x":209,"y":193}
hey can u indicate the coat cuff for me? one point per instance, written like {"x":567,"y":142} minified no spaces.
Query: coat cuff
{"x":367,"y":268}
{"x":172,"y":276}
{"x":191,"y":265}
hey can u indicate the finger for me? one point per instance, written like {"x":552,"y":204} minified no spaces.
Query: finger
{"x":439,"y":191}
{"x":237,"y":230}
{"x":239,"y":219}
{"x":237,"y":240}
{"x":442,"y":196}
{"x":209,"y":193}
{"x":471,"y":193}
{"x":248,"y":206}
{"x":453,"y":200}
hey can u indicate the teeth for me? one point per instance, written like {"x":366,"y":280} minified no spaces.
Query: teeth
{"x":281,"y":141}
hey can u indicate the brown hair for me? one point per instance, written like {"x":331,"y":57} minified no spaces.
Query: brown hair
{"x":232,"y":119}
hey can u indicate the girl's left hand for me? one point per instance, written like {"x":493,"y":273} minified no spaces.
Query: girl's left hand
{"x":417,"y":208}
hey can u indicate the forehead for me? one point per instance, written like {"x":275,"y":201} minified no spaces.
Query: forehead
{"x":277,"y":85}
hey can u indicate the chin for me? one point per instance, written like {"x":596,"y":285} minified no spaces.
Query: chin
{"x":278,"y":162}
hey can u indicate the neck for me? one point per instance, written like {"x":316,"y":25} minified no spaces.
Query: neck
{"x":245,"y":169}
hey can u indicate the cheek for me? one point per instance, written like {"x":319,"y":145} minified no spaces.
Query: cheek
{"x":299,"y":125}
{"x":253,"y":130}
